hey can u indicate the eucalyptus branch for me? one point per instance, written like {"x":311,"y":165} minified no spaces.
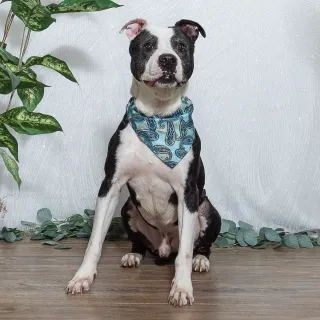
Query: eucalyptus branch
{"x":7,"y":27}
{"x":23,"y":49}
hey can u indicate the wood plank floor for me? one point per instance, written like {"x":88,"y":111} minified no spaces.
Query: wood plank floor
{"x":242,"y":284}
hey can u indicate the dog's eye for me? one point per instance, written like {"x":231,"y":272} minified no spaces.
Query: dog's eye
{"x":181,"y":47}
{"x":148,"y":46}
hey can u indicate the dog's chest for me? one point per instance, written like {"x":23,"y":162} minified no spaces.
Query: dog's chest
{"x":153,"y":182}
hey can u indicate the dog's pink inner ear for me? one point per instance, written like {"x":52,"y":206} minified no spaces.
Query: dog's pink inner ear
{"x":190,"y":31}
{"x":134,"y":27}
{"x":191,"y":28}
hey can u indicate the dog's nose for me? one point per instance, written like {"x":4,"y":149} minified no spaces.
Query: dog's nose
{"x":168,"y":62}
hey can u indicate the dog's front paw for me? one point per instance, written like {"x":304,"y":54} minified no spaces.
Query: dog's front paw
{"x":81,"y":282}
{"x":181,"y":293}
{"x":131,"y":260}
{"x":200,"y":263}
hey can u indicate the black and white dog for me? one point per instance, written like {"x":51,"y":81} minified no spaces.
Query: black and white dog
{"x":168,"y":211}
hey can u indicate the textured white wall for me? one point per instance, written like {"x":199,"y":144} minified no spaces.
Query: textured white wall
{"x":256,"y":95}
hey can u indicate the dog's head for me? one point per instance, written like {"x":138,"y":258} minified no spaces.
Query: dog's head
{"x":162,"y":57}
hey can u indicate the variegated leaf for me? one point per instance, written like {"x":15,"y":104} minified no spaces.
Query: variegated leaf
{"x":35,"y":16}
{"x":8,"y":81}
{"x":82,"y":6}
{"x":6,"y":56}
{"x":30,"y":123}
{"x":28,"y":80}
{"x":52,"y":63}
{"x":31,"y":97}
{"x":7,"y":140}
{"x":11,"y":165}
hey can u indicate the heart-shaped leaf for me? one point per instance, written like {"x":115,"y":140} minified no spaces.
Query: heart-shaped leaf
{"x":10,"y":236}
{"x":31,"y":123}
{"x":7,"y":140}
{"x":240,"y":239}
{"x":44,"y":215}
{"x":250,"y":237}
{"x":52,"y":63}
{"x":81,"y":6}
{"x":28,"y":81}
{"x":304,"y":241}
{"x":8,"y":81}
{"x":31,"y":97}
{"x":35,"y":16}
{"x":245,"y":226}
{"x":272,"y":235}
{"x":291,"y":241}
{"x":11,"y":165}
{"x":62,"y":247}
{"x":222,"y":242}
{"x":50,"y":243}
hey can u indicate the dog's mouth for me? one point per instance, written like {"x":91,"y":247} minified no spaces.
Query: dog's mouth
{"x":166,"y":80}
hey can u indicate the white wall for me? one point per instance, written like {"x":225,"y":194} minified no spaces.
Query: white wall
{"x":256,"y":95}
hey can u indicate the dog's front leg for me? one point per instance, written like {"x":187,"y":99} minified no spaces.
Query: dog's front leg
{"x":106,"y":204}
{"x":182,"y":292}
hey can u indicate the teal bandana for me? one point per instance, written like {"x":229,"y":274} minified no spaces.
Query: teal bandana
{"x":169,"y":138}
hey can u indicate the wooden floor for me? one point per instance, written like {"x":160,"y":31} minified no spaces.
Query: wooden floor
{"x":242,"y":284}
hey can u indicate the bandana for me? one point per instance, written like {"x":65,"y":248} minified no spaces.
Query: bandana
{"x":169,"y":138}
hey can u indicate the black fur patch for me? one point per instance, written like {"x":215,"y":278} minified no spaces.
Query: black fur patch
{"x":141,"y":49}
{"x":110,"y":164}
{"x":173,"y":199}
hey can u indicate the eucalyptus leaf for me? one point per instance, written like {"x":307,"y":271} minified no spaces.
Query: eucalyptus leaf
{"x":272,"y":235}
{"x":31,"y":97}
{"x":10,"y":236}
{"x":59,"y":237}
{"x":38,"y":236}
{"x":250,"y":237}
{"x":225,"y":226}
{"x":263,"y":231}
{"x":62,"y":247}
{"x":28,"y":223}
{"x":7,"y":140}
{"x":11,"y":165}
{"x":222,"y":242}
{"x":261,"y":245}
{"x":52,"y":63}
{"x":87,"y":228}
{"x":318,"y":241}
{"x":245,"y":226}
{"x":231,"y":242}
{"x":229,"y":235}
{"x":89,"y":212}
{"x":44,"y":215}
{"x":30,"y":123}
{"x":81,"y":6}
{"x":304,"y":241}
{"x":50,"y":243}
{"x":50,"y":234}
{"x":240,"y":239}
{"x":82,"y":235}
{"x":291,"y":241}
{"x":8,"y":81}
{"x":35,"y":16}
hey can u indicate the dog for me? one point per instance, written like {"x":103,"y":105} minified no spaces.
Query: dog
{"x":156,"y":152}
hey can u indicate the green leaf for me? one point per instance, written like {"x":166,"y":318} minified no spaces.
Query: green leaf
{"x":261,"y":245}
{"x":31,"y":123}
{"x":240,"y":239}
{"x":222,"y":242}
{"x":48,"y":225}
{"x":50,"y":234}
{"x":28,"y":223}
{"x":263,"y":231}
{"x":304,"y":241}
{"x":6,"y":56}
{"x":231,"y":242}
{"x":245,"y":226}
{"x":10,"y":236}
{"x":31,"y":97}
{"x":19,"y":238}
{"x":27,"y":80}
{"x":62,"y":247}
{"x":7,"y":140}
{"x":59,"y":237}
{"x":89,"y":212}
{"x":82,"y":235}
{"x":8,"y":81}
{"x":44,"y":215}
{"x":272,"y":235}
{"x":318,"y":241}
{"x":87,"y":228}
{"x":229,"y":235}
{"x":281,"y":231}
{"x":291,"y":241}
{"x":82,"y":6}
{"x":38,"y":236}
{"x":52,"y":63}
{"x":11,"y":165}
{"x":35,"y":16}
{"x":76,"y":220}
{"x":228,"y":226}
{"x":250,"y":237}
{"x":50,"y":243}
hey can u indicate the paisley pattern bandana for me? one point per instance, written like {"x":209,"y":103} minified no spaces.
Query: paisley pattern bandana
{"x":169,"y":138}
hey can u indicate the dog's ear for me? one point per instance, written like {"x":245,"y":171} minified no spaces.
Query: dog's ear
{"x":134,"y":27}
{"x":190,"y":28}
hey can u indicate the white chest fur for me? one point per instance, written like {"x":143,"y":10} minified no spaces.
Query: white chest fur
{"x":151,"y":179}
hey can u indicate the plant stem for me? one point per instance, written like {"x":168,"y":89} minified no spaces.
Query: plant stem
{"x":7,"y":27}
{"x":23,"y":49}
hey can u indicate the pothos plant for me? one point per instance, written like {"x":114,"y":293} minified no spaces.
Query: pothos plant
{"x":17,"y":76}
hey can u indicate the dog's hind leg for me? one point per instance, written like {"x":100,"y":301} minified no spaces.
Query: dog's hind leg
{"x":210,"y":224}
